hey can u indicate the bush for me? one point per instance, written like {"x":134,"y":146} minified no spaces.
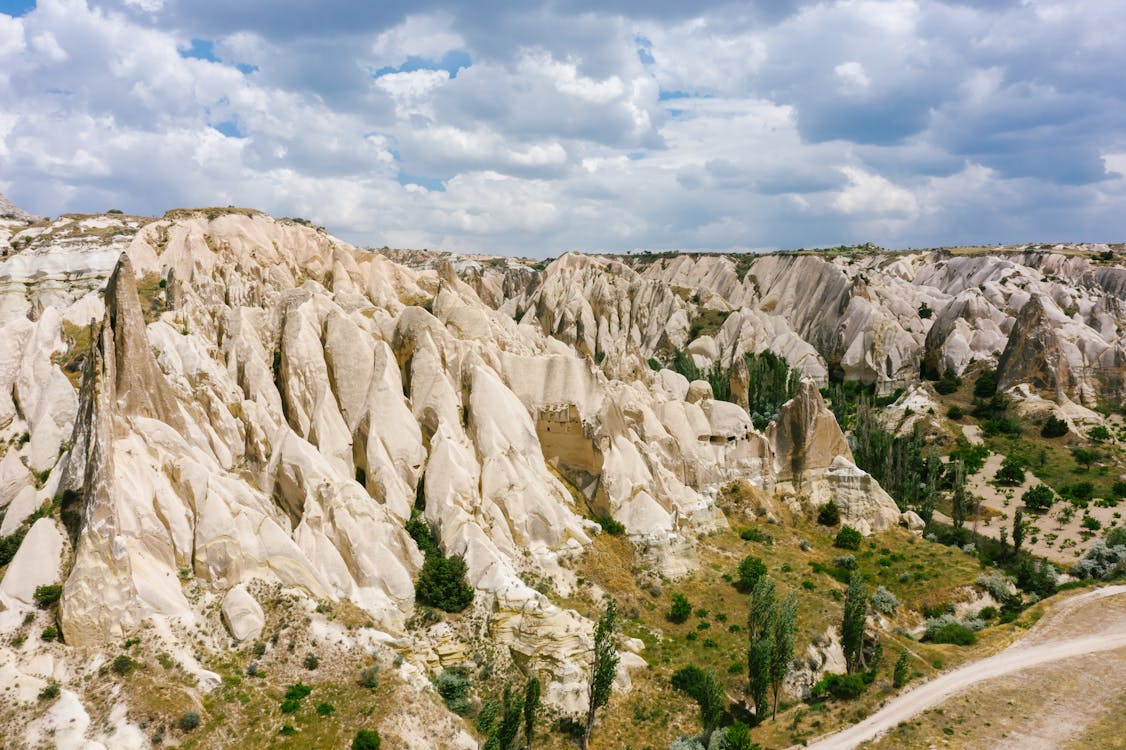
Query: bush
{"x":753,"y":534}
{"x":955,"y":413}
{"x":188,"y":722}
{"x":50,"y":692}
{"x":45,"y":596}
{"x":689,"y":680}
{"x":611,"y":526}
{"x":50,"y":633}
{"x":735,"y":737}
{"x":883,"y":601}
{"x":925,"y":311}
{"x":1082,"y":491}
{"x":311,"y":662}
{"x":948,"y":383}
{"x":325,"y":709}
{"x":1054,"y":427}
{"x":848,"y":538}
{"x":9,"y":545}
{"x":1102,"y":562}
{"x":829,"y":514}
{"x":366,"y":739}
{"x":848,"y":562}
{"x":843,"y":687}
{"x":369,"y":678}
{"x":442,"y":583}
{"x":681,"y":609}
{"x":1118,"y":489}
{"x":1090,"y":523}
{"x":751,"y":569}
{"x":297,"y":691}
{"x":454,"y":689}
{"x":420,"y":532}
{"x":1038,"y":499}
{"x":947,"y":629}
{"x":123,"y":665}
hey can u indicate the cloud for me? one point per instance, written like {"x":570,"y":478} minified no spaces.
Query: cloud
{"x":540,"y":127}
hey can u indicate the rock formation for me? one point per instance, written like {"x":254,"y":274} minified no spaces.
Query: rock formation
{"x":216,"y":401}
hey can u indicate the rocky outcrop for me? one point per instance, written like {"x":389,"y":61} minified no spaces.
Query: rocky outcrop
{"x":242,"y":615}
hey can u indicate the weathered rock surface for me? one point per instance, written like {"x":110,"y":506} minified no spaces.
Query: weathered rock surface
{"x":242,"y":615}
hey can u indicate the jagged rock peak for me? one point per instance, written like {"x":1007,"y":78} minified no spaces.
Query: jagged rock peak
{"x":9,"y":210}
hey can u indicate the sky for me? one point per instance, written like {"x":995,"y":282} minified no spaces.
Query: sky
{"x":535,"y":128}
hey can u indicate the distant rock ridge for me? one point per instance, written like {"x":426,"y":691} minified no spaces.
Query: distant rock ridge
{"x":9,"y":210}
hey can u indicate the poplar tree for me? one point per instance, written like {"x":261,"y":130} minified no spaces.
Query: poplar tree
{"x":782,"y":651}
{"x":604,"y":667}
{"x":852,"y":623}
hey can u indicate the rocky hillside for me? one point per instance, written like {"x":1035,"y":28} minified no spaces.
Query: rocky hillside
{"x":217,"y":425}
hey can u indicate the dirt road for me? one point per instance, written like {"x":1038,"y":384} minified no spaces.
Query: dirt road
{"x":1037,"y":648}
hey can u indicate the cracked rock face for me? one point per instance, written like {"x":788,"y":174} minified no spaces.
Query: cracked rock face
{"x":230,"y":399}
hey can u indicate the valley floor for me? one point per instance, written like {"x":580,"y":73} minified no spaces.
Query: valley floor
{"x":1060,"y":686}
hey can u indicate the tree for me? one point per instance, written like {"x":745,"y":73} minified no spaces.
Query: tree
{"x":958,"y":500}
{"x":1084,"y":456}
{"x":1011,"y":472}
{"x":1054,"y":427}
{"x":511,"y":714}
{"x":986,"y":384}
{"x":1039,"y":498}
{"x":751,"y":569}
{"x":852,"y":623}
{"x":711,"y":703}
{"x":925,"y":311}
{"x":900,"y":674}
{"x":782,"y":651}
{"x":1018,"y":531}
{"x":604,"y":666}
{"x":760,"y":639}
{"x":531,"y":706}
{"x":442,"y":583}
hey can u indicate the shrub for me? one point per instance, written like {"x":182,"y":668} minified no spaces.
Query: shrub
{"x":1118,"y":489}
{"x":1102,"y":562}
{"x":1090,"y":523}
{"x":955,"y":413}
{"x":442,"y":583}
{"x":925,"y":311}
{"x":843,"y":687}
{"x":751,"y":569}
{"x":366,"y":739}
{"x":753,"y":534}
{"x":325,"y":709}
{"x":829,"y":514}
{"x":883,"y":601}
{"x":947,"y":629}
{"x":50,"y":692}
{"x":1081,"y":491}
{"x":420,"y":532}
{"x":45,"y":596}
{"x":1039,"y":498}
{"x":123,"y":665}
{"x":1054,"y":427}
{"x":9,"y":545}
{"x":297,"y":691}
{"x":847,"y":538}
{"x":188,"y":722}
{"x":681,"y":609}
{"x":948,"y":383}
{"x":311,"y":662}
{"x":611,"y":526}
{"x":998,"y":585}
{"x":369,"y":678}
{"x":848,"y":562}
{"x":689,"y":680}
{"x":454,"y":689}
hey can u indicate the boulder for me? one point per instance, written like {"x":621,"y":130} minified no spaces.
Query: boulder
{"x":242,"y":615}
{"x":36,"y":562}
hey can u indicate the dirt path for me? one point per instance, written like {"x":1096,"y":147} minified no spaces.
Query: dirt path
{"x":1037,"y":648}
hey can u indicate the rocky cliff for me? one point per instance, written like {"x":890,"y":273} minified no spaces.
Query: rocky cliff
{"x":195,"y":407}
